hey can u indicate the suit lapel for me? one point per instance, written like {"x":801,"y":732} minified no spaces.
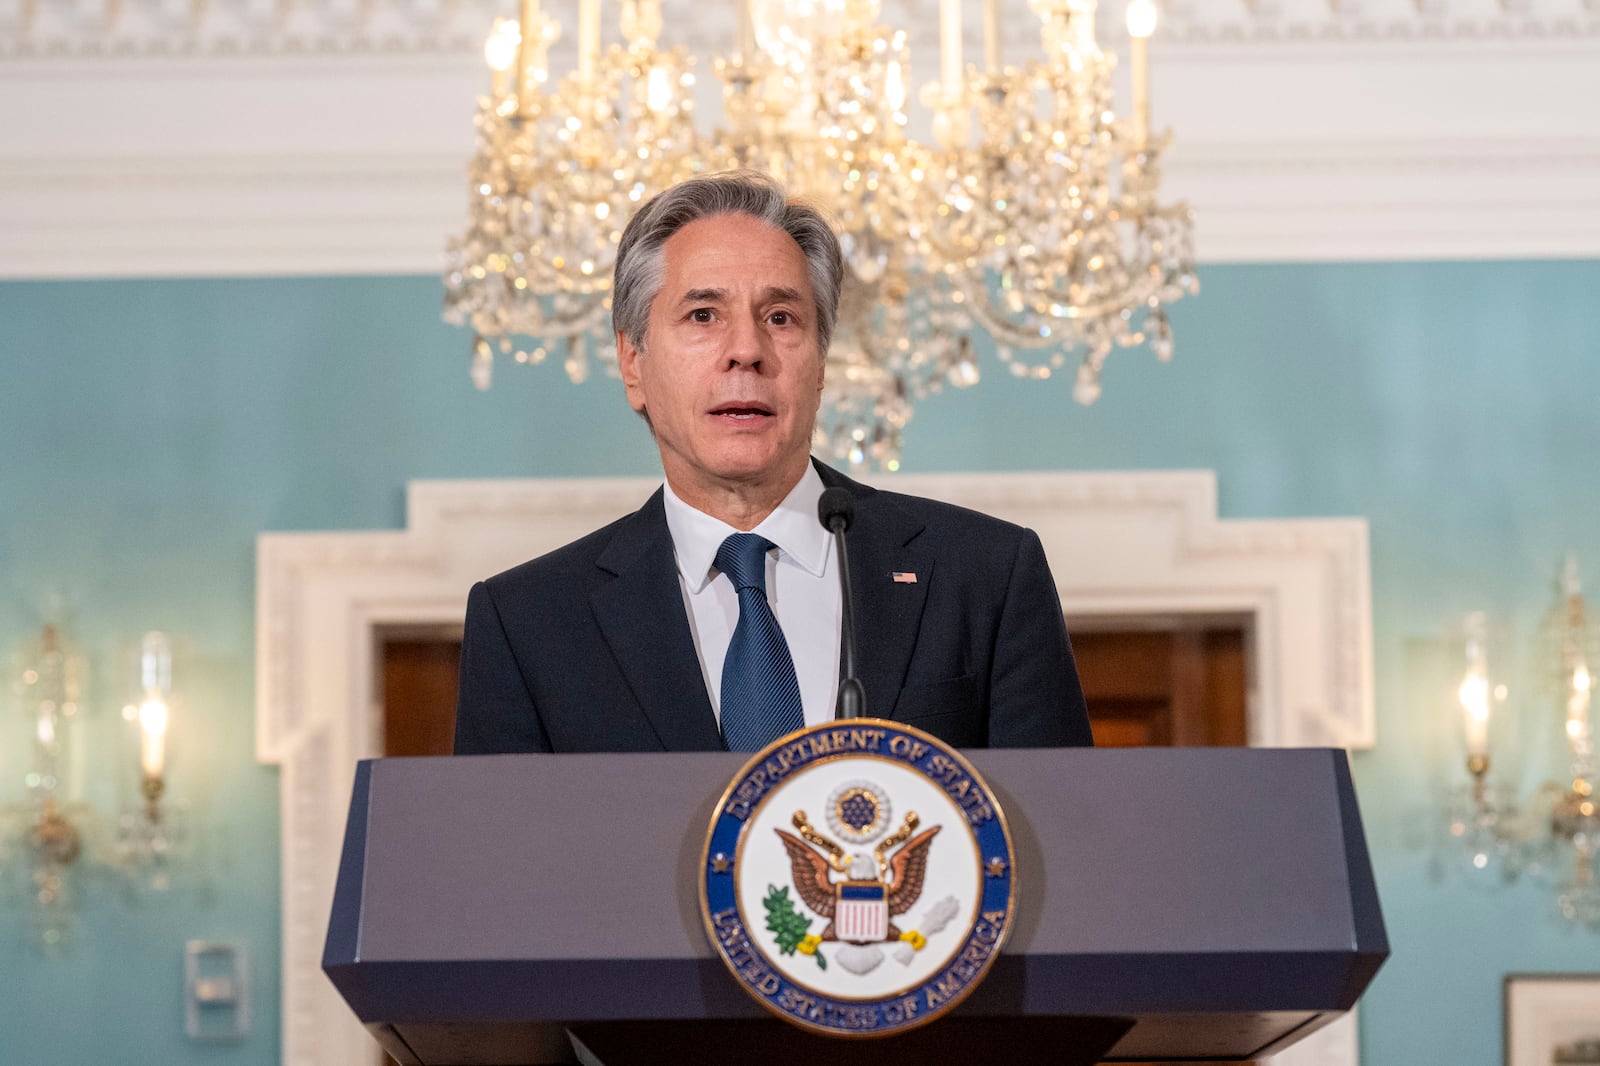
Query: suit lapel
{"x":640,"y":611}
{"x":888,"y":612}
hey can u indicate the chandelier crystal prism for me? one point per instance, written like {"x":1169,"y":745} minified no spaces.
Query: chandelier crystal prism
{"x":1029,"y":216}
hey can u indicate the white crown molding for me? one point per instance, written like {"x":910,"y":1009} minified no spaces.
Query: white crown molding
{"x":243,"y":216}
{"x":54,"y":30}
{"x":1337,"y":24}
{"x":1505,"y":198}
{"x":237,"y":215}
{"x":1120,"y":545}
{"x":323,"y":157}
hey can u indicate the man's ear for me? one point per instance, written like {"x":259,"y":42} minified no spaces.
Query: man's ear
{"x":628,"y":356}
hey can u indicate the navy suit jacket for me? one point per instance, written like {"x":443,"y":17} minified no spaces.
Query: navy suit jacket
{"x":588,"y":648}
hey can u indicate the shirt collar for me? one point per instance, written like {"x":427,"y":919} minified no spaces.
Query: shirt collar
{"x":792,"y":526}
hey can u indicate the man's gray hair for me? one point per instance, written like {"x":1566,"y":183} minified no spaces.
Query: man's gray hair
{"x":641,"y":263}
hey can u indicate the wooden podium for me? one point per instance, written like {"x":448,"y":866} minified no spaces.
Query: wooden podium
{"x":1173,"y":904}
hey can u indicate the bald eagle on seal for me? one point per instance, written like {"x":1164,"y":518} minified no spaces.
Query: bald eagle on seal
{"x":903,"y":885}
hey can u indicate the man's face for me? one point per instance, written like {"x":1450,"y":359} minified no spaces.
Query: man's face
{"x":731,"y":375}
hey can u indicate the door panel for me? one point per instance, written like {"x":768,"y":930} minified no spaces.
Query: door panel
{"x":1179,"y":687}
{"x":419,"y":695}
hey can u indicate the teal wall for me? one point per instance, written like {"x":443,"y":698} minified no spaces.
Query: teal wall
{"x":150,"y":430}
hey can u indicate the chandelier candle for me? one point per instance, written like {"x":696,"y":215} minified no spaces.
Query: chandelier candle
{"x":500,"y":51}
{"x":991,"y":36}
{"x":950,"y":49}
{"x":588,"y":39}
{"x":1141,"y":24}
{"x":746,"y":33}
{"x":528,"y":30}
{"x":1081,"y":17}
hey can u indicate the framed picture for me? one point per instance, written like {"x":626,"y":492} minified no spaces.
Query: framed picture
{"x":1552,"y":1019}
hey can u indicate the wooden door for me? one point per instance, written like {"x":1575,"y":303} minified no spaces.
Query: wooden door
{"x":1179,"y":686}
{"x":419,"y":692}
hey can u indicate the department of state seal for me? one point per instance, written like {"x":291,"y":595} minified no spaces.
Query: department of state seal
{"x":858,"y":878}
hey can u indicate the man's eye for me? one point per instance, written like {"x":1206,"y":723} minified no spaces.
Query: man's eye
{"x":701,"y":314}
{"x":781,"y":318}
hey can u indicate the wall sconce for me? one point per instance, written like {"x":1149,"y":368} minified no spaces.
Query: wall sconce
{"x":56,"y":830}
{"x":49,"y":684}
{"x":1482,"y":816}
{"x":1555,"y":836}
{"x":148,"y":834}
{"x":1569,"y":655}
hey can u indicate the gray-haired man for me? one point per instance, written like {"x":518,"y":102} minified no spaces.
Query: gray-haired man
{"x":710,"y":617}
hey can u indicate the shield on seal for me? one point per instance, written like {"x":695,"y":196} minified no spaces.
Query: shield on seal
{"x":861,"y":912}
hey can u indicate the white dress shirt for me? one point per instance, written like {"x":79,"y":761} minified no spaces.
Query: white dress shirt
{"x":802,"y":587}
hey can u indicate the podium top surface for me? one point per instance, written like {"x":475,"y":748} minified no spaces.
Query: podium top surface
{"x":1198,"y":850}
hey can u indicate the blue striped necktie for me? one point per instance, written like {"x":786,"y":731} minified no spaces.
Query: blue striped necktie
{"x":760,"y":692}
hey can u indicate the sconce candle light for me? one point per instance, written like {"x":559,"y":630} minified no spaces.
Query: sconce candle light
{"x":147,"y":836}
{"x":152,"y":714}
{"x":1474,"y":690}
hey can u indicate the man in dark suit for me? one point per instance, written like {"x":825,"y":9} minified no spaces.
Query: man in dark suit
{"x":710,"y":617}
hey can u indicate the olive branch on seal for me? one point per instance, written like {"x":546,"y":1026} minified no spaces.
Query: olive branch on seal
{"x":789,"y":926}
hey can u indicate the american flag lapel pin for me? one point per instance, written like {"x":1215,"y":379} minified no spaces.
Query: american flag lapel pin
{"x":904,"y":577}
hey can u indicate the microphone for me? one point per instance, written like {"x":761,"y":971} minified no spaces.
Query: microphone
{"x":835,"y":510}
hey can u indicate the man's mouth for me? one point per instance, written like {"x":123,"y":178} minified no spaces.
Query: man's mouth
{"x":747,"y":412}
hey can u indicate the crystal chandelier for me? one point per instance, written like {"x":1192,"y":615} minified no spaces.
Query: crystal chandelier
{"x":1554,"y":836}
{"x":1030,"y":214}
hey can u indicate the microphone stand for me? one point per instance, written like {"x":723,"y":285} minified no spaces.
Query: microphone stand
{"x":852,"y":702}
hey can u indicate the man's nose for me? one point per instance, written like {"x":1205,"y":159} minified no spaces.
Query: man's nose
{"x":747,"y":342}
